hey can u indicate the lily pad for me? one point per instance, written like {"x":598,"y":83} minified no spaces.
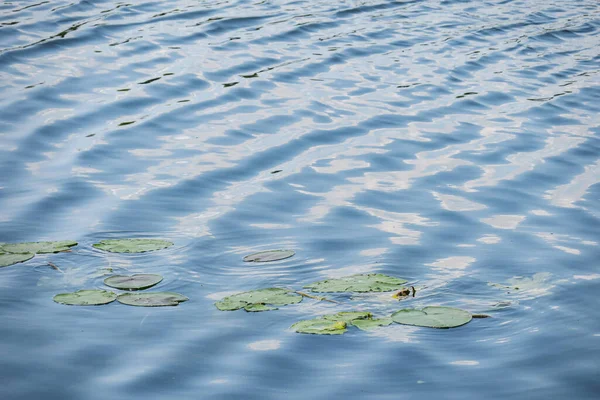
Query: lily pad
{"x":86,"y":298}
{"x":132,"y":245}
{"x":7,"y":259}
{"x":37,"y":247}
{"x":133,"y":282}
{"x":358,"y":283}
{"x":348,"y":316}
{"x":157,"y":299}
{"x":433,"y":317}
{"x":368,"y":324}
{"x":250,"y":301}
{"x":320,"y":326}
{"x":269,"y":255}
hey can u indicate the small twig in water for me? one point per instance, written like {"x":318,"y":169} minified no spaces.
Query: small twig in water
{"x":55,"y":267}
{"x":481,"y":316}
{"x":414,"y":291}
{"x":317,"y":297}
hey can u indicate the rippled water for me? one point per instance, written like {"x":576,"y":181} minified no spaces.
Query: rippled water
{"x":452,"y":143}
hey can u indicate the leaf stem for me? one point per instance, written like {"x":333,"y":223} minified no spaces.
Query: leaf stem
{"x":316,"y":297}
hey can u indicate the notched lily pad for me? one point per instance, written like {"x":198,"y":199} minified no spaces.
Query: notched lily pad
{"x":269,"y":255}
{"x":157,"y":299}
{"x":37,"y":247}
{"x":358,"y":283}
{"x":348,"y":316}
{"x":132,"y":245}
{"x":258,"y":300}
{"x":369,"y":324}
{"x":133,"y":282}
{"x":320,"y":326}
{"x":86,"y":298}
{"x":433,"y":317}
{"x":7,"y":259}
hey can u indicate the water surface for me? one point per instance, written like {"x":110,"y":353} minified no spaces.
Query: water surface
{"x":452,"y":143}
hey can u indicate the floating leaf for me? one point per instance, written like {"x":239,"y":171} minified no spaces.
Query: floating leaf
{"x":7,"y":259}
{"x":157,"y":299}
{"x":250,"y":301}
{"x":269,"y":255}
{"x":433,"y":317}
{"x":133,"y":282}
{"x":320,"y":326}
{"x":86,"y":298}
{"x":37,"y":247}
{"x":132,"y":245}
{"x":348,"y":316}
{"x":368,"y":324}
{"x":358,"y":283}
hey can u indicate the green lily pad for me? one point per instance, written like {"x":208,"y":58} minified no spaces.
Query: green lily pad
{"x":348,"y":316}
{"x":368,"y":324}
{"x":320,"y":326}
{"x":7,"y":259}
{"x":269,"y":255}
{"x":157,"y":299}
{"x":132,"y":245}
{"x":256,"y":300}
{"x":433,"y":317}
{"x":37,"y":247}
{"x":133,"y":282}
{"x":86,"y":298}
{"x":358,"y":283}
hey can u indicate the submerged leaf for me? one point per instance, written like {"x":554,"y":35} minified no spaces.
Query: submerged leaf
{"x":259,"y":307}
{"x":132,"y":245}
{"x":433,"y":317}
{"x":320,"y":326}
{"x":256,"y":300}
{"x":37,"y":247}
{"x":133,"y":282}
{"x":528,"y":288}
{"x":157,"y":299}
{"x":86,"y":298}
{"x":7,"y":259}
{"x":348,"y":316}
{"x":368,"y":324}
{"x":269,"y":255}
{"x":358,"y":283}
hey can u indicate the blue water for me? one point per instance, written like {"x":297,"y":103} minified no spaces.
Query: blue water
{"x":451,"y":143}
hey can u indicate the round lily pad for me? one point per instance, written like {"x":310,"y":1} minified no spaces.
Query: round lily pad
{"x":269,"y":255}
{"x":37,"y":247}
{"x":133,"y":282}
{"x":86,"y":298}
{"x":358,"y":283}
{"x":320,"y":326}
{"x":257,"y":300}
{"x":7,"y":259}
{"x":433,"y":317}
{"x":132,"y":245}
{"x":368,"y":324}
{"x":348,"y":316}
{"x":158,"y":299}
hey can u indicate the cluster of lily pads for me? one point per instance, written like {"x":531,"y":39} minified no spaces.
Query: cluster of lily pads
{"x":336,"y":324}
{"x":12,"y":253}
{"x":252,"y":301}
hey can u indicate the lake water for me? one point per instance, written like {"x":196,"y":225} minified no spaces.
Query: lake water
{"x":451,"y":143}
